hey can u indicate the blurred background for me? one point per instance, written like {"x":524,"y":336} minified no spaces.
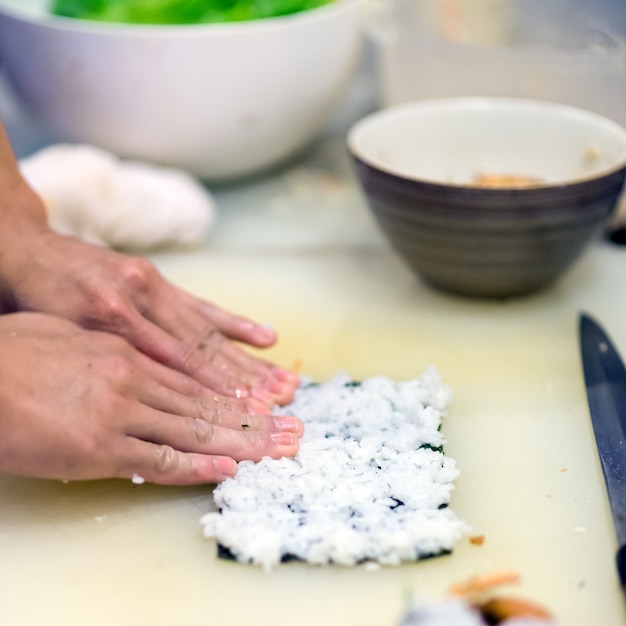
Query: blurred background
{"x":570,"y":51}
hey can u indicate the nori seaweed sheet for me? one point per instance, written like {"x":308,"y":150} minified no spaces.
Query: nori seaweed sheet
{"x":226,"y":554}
{"x":223,"y":552}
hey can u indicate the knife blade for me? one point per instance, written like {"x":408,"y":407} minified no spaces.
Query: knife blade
{"x":605,"y":379}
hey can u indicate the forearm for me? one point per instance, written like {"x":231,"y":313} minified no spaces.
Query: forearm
{"x":19,"y":204}
{"x":22,"y":220}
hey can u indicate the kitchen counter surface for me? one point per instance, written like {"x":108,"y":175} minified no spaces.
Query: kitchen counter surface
{"x":298,"y":249}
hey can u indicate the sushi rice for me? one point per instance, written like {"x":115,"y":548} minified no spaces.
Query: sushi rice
{"x":370,"y":482}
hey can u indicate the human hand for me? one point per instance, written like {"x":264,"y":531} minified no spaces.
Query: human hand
{"x":78,"y":404}
{"x":104,"y":290}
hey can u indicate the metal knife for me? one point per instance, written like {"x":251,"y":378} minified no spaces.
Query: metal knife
{"x":605,"y":378}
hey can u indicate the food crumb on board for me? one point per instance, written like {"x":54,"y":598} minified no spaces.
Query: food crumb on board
{"x":138,"y":480}
{"x":477,"y":540}
{"x":370,"y":481}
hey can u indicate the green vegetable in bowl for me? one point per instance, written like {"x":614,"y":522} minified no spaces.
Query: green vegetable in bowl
{"x":180,"y":11}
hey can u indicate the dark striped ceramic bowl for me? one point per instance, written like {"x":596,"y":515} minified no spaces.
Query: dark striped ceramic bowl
{"x":489,"y":197}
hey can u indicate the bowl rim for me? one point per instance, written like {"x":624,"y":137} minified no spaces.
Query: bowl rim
{"x":483,"y":103}
{"x":77,"y":25}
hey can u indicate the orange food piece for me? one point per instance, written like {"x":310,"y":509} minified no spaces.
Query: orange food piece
{"x":484,"y":582}
{"x":478,"y":591}
{"x":477,"y":540}
{"x":498,"y":609}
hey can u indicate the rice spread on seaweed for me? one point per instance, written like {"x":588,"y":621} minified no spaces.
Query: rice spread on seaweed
{"x":370,"y":481}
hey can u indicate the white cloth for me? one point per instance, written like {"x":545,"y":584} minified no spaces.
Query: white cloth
{"x":93,"y":195}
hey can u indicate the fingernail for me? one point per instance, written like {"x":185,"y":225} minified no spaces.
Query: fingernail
{"x":288,"y":424}
{"x":287,"y":376}
{"x":277,"y":387}
{"x":266,"y":331}
{"x":283,"y":439}
{"x":225,"y":465}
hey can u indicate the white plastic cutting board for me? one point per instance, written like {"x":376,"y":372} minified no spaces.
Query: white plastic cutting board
{"x":112,"y":552}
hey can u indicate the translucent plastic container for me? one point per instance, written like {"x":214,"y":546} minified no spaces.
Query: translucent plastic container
{"x":567,"y":51}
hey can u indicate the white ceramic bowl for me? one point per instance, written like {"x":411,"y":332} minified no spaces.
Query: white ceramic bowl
{"x":421,"y":167}
{"x":220,"y":100}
